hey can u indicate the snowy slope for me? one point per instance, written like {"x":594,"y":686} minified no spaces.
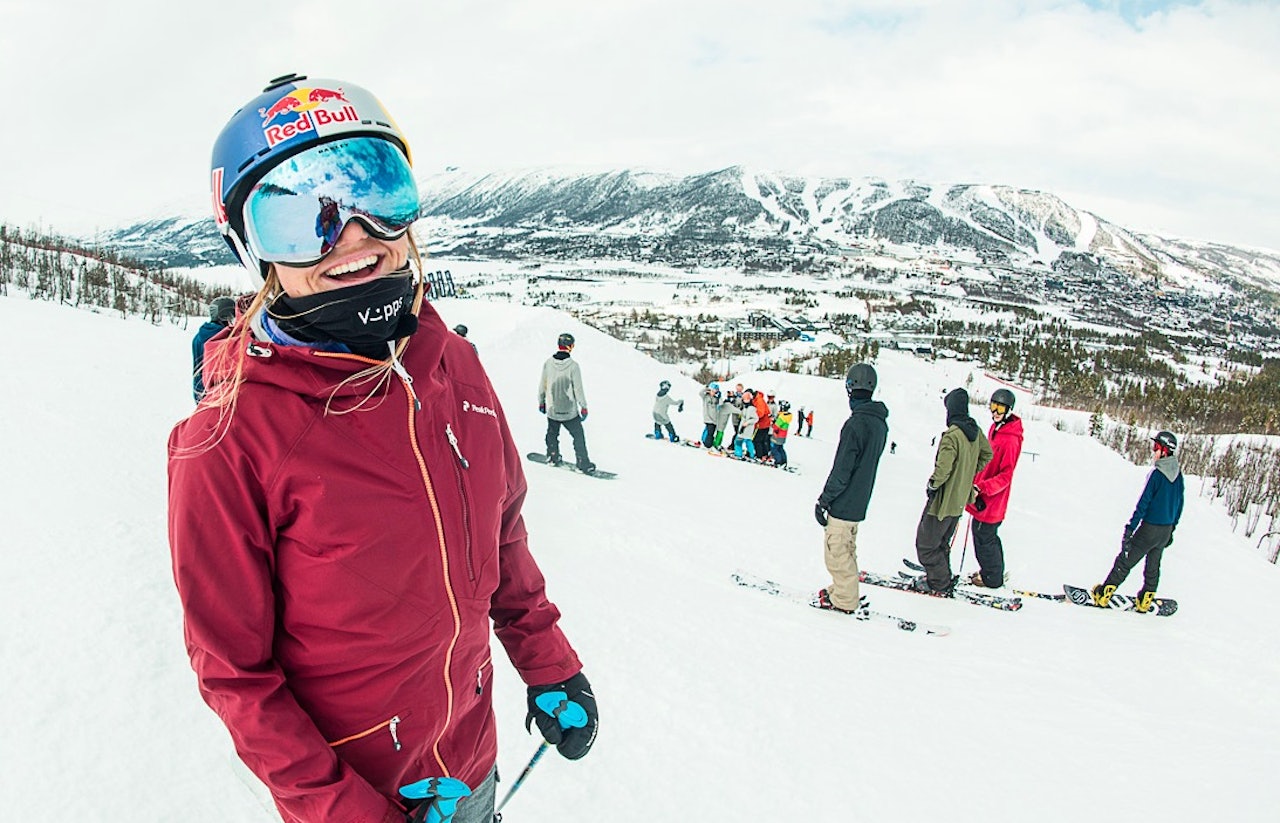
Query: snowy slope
{"x":717,"y":703}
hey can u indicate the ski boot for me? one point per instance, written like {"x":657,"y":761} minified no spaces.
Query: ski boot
{"x":1144,"y":602}
{"x":921,"y":584}
{"x":1102,"y":595}
{"x":861,"y":613}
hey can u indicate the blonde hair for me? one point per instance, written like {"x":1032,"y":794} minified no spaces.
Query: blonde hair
{"x":226,"y":364}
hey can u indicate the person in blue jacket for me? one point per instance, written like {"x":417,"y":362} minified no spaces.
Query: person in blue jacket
{"x":1150,"y":530}
{"x":221,"y":312}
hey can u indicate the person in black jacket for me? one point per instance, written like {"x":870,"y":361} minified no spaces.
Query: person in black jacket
{"x":843,"y":502}
{"x":221,"y":312}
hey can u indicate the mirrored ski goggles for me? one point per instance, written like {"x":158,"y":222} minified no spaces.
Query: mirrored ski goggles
{"x":999,"y":408}
{"x":296,"y":212}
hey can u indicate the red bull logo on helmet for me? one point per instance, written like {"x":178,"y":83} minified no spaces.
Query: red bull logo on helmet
{"x":304,"y":110}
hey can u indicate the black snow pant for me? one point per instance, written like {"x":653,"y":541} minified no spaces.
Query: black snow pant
{"x":671,"y":431}
{"x":574,"y":425}
{"x":989,"y":551}
{"x":1148,"y":541}
{"x":933,"y":548}
{"x":761,"y":440}
{"x":708,"y":434}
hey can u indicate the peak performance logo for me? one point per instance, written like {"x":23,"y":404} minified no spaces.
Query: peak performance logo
{"x":467,"y":406}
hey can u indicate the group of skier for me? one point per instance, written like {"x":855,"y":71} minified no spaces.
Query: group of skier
{"x":750,"y":424}
{"x":972,"y":473}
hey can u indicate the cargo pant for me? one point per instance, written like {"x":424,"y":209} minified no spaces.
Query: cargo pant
{"x":933,"y":548}
{"x":840,"y":543}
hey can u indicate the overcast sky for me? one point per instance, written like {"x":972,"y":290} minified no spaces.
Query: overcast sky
{"x":1162,"y":116}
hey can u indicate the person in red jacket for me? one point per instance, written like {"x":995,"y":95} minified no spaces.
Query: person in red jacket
{"x":992,"y":486}
{"x":345,"y":502}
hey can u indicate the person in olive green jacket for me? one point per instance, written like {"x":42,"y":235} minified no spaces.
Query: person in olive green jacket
{"x":962,"y":451}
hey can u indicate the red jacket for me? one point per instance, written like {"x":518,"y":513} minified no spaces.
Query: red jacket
{"x":994,"y":479}
{"x":762,"y":408}
{"x":338,"y":573}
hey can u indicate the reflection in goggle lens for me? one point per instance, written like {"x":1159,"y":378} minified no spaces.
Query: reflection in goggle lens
{"x":296,"y":212}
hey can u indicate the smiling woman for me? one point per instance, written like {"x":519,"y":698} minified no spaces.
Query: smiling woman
{"x":339,"y":571}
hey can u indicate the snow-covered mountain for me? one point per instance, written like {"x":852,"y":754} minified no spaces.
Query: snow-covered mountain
{"x":752,"y":219}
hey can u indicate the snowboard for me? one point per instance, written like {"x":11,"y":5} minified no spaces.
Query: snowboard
{"x":751,"y":581}
{"x":1119,"y":602}
{"x":538,"y":457}
{"x":995,"y":601}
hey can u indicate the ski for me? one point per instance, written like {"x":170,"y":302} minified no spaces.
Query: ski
{"x":751,"y":581}
{"x":1119,"y":602}
{"x":538,"y":457}
{"x":918,"y":569}
{"x":995,"y":601}
{"x":1041,"y":595}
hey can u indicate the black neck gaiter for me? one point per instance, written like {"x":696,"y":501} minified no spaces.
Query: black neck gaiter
{"x":364,"y":317}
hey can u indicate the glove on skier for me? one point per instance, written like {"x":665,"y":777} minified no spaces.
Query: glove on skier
{"x":438,"y":798}
{"x":542,"y":407}
{"x":565,"y":714}
{"x":820,"y":514}
{"x":929,"y":491}
{"x":582,"y":413}
{"x":680,"y":406}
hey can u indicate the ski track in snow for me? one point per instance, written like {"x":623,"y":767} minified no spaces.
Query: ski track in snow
{"x":715,"y":703}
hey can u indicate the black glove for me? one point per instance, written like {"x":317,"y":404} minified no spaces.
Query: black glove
{"x":820,"y":514}
{"x":1169,"y":542}
{"x":565,"y":714}
{"x":979,"y":505}
{"x":929,"y":491}
{"x":1128,"y":535}
{"x":680,"y":406}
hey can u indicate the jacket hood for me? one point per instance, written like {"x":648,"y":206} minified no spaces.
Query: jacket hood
{"x":561,"y":355}
{"x":872,"y":408}
{"x":1011,"y":426}
{"x":957,"y":405}
{"x":1168,"y":466}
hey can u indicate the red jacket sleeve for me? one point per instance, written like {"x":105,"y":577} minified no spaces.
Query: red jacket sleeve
{"x":223,"y":564}
{"x":524,"y":620}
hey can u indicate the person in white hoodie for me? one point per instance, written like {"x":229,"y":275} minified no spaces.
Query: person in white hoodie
{"x":662,"y":404}
{"x":562,"y":399}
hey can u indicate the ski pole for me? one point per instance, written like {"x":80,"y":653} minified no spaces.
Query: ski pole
{"x":964,"y":547}
{"x":533,"y":761}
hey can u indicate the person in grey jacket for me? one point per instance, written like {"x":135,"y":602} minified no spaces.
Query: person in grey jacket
{"x":710,"y":413}
{"x":662,"y":404}
{"x":562,"y":399}
{"x":842,"y":505}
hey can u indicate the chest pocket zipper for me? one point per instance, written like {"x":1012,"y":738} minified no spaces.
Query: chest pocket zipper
{"x":462,"y":494}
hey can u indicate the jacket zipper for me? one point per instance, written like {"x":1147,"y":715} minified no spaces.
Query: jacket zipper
{"x":429,"y":488}
{"x":480,"y":675}
{"x":462,"y":493}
